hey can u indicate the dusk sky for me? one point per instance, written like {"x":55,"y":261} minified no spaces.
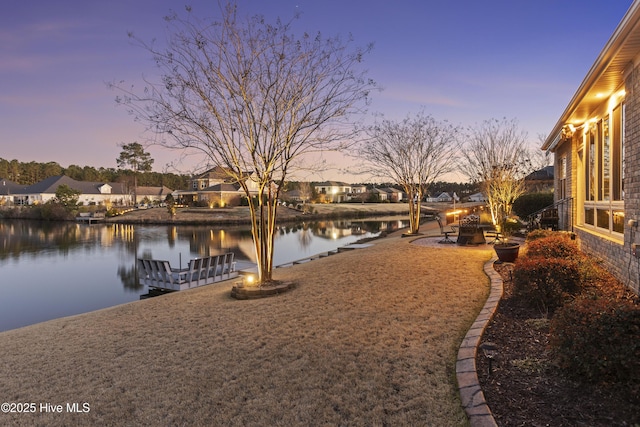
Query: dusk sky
{"x":463,"y":61}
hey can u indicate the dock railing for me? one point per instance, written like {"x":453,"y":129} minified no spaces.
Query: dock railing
{"x":200,"y":271}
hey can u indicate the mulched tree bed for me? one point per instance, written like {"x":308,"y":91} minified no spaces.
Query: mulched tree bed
{"x":524,"y":388}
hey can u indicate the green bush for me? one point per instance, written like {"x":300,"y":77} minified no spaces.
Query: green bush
{"x":529,"y":203}
{"x":111,"y":212}
{"x":546,"y":282}
{"x":557,"y":245}
{"x":511,"y":226}
{"x":598,"y":340}
{"x":54,"y":212}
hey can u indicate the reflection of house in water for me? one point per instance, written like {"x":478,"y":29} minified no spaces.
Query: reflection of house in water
{"x":210,"y":241}
{"x":340,"y":229}
{"x":42,"y":238}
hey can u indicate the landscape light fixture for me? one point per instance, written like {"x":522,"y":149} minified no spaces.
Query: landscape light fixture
{"x":490,"y":351}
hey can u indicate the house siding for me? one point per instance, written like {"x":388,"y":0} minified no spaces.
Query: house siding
{"x":566,"y":213}
{"x":632,"y":147}
{"x":614,"y":257}
{"x":617,"y":257}
{"x":610,"y":92}
{"x":631,"y":274}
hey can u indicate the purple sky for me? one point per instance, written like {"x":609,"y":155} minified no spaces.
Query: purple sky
{"x":463,"y":61}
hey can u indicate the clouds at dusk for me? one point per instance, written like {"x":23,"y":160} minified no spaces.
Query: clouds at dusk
{"x":459,"y":61}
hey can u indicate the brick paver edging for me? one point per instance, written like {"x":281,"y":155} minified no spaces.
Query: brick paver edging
{"x":471,"y":394}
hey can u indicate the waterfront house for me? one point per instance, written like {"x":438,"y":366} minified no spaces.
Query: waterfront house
{"x":152,"y":194}
{"x":8,"y":190}
{"x":477,"y":197}
{"x":358,"y":189}
{"x":90,"y":192}
{"x":596,"y":146}
{"x":393,"y":194}
{"x":216,"y":187}
{"x":443,"y":198}
{"x":333,"y":191}
{"x":379,"y":194}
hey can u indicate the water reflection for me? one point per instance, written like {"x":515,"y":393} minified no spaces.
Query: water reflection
{"x":54,"y":269}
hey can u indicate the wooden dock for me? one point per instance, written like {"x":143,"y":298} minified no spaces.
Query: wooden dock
{"x":200,"y":271}
{"x":90,"y":218}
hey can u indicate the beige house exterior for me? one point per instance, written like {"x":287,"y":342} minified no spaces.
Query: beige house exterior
{"x":333,"y":191}
{"x":596,"y":147}
{"x":98,"y":193}
{"x":216,"y":187}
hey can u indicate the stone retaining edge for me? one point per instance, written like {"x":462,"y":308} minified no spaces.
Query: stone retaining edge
{"x":471,"y":395}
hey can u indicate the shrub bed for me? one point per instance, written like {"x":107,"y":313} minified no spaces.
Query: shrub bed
{"x":598,"y":340}
{"x":553,"y":246}
{"x":595,"y":328}
{"x":540,"y":234}
{"x":546,"y":282}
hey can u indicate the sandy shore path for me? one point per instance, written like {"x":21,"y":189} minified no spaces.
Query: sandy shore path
{"x":368,"y":337}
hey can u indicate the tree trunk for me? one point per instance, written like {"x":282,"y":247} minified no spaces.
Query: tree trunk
{"x":263,"y":219}
{"x":414,"y":211}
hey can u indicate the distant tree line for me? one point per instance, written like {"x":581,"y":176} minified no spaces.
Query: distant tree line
{"x":32,"y":172}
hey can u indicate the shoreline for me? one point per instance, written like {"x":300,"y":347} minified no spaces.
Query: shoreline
{"x":240,"y":215}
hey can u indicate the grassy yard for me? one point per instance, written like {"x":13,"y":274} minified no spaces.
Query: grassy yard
{"x":368,"y":337}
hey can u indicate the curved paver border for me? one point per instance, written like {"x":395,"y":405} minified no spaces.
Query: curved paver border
{"x":471,"y":394}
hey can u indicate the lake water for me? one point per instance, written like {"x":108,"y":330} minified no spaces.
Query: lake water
{"x":51,"y":270}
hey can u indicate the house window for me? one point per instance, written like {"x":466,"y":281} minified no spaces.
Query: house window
{"x":562,"y":178}
{"x":618,"y":221}
{"x":604,"y":192}
{"x":195,"y":185}
{"x":589,"y":216}
{"x":591,"y":164}
{"x":604,"y":171}
{"x":617,"y":151}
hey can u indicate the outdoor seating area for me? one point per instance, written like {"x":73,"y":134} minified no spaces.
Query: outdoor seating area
{"x":494,"y":235}
{"x":470,"y":232}
{"x":446,"y":233}
{"x":199,"y":272}
{"x":549,"y":219}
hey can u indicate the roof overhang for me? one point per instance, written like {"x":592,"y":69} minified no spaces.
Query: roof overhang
{"x":605,"y":77}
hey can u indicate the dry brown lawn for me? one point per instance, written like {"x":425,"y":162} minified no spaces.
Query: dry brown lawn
{"x":368,"y":337}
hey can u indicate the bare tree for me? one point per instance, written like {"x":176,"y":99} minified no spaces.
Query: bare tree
{"x":497,"y":156}
{"x":540,"y":158}
{"x":306,"y":191}
{"x":254,"y":98}
{"x":414,"y":153}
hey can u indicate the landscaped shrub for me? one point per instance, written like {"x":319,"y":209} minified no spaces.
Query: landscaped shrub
{"x":597,"y":282}
{"x":546,"y":282}
{"x":539,"y":234}
{"x":529,"y":203}
{"x":555,"y":246}
{"x":598,"y":340}
{"x":54,"y":212}
{"x":511,"y":226}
